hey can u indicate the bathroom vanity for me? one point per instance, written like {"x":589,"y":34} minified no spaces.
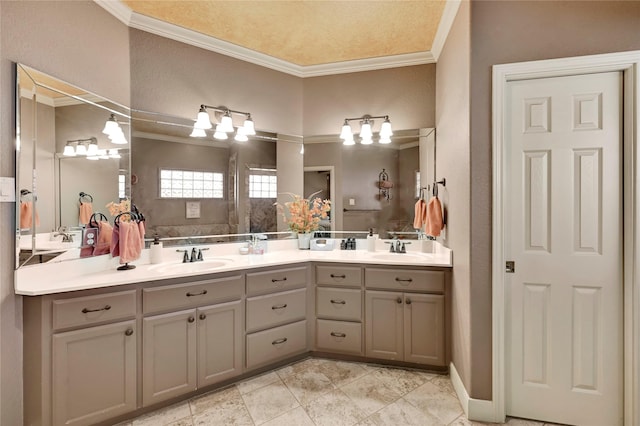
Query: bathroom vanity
{"x":105,"y":345}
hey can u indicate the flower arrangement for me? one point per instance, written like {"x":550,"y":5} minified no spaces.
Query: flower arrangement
{"x":303,"y":215}
{"x":116,"y":208}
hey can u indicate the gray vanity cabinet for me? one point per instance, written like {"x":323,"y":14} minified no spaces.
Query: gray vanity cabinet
{"x":94,"y":373}
{"x":187,"y":349}
{"x":81,"y":357}
{"x":405,"y":325}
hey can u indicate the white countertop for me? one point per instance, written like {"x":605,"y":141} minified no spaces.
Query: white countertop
{"x":100,"y":271}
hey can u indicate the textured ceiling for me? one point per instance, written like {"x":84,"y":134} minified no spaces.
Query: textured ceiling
{"x":307,"y":32}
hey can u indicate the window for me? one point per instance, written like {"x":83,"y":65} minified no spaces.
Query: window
{"x":263,"y":183}
{"x":191,"y":184}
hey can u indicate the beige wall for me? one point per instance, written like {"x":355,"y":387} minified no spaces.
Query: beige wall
{"x":77,"y":42}
{"x":406,"y":94}
{"x":452,"y":163}
{"x":174,"y":78}
{"x":506,"y":32}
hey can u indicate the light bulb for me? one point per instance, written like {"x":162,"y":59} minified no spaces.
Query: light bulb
{"x":69,"y":151}
{"x":349,"y":141}
{"x":366,"y":141}
{"x":241,"y":135}
{"x":102,"y":154}
{"x":118,"y":138}
{"x":203,"y":121}
{"x":227,"y":123}
{"x":93,"y":148}
{"x":365,"y":130}
{"x":113,"y":153}
{"x":219,"y":134}
{"x":384,"y":140}
{"x":198,"y":133}
{"x":346,"y":132}
{"x":93,"y":158}
{"x":385,"y":129}
{"x":249,"y":128}
{"x":111,"y":125}
{"x":81,"y":149}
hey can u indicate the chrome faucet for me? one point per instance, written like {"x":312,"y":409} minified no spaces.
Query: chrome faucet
{"x":66,"y":237}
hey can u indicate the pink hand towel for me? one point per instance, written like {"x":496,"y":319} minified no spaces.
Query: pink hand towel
{"x":115,"y":242}
{"x":129,"y":242}
{"x":26,"y":215}
{"x":420,"y":214}
{"x":434,"y":223}
{"x":105,"y":233}
{"x":86,"y":210}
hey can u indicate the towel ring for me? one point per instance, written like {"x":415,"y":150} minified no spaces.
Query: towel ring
{"x":85,"y":195}
{"x":93,"y":220}
{"x":133,"y":215}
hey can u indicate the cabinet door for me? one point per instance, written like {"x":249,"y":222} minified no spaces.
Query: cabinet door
{"x":94,"y":373}
{"x":169,"y":356}
{"x":384,"y":325}
{"x":219,"y":342}
{"x":424,"y":329}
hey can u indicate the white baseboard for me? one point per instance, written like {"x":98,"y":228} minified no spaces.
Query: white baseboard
{"x":480,"y":410}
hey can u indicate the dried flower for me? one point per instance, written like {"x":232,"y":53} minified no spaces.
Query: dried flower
{"x":116,"y":208}
{"x":304,"y":214}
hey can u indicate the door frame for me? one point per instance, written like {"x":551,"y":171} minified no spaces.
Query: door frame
{"x":629,"y":64}
{"x":332,"y":186}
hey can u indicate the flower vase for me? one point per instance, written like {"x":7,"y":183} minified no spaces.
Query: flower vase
{"x":304,"y":240}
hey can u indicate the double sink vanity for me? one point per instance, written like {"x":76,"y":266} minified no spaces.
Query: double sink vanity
{"x":103,"y":345}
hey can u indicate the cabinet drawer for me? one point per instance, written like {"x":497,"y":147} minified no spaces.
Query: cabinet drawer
{"x":276,"y":309}
{"x":266,"y":346}
{"x":339,"y":303}
{"x":404,"y":279}
{"x":281,"y":279}
{"x":93,"y":309}
{"x":339,"y":275}
{"x":197,"y":293}
{"x":339,"y":336}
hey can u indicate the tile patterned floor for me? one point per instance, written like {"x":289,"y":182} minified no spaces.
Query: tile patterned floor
{"x":319,"y":392}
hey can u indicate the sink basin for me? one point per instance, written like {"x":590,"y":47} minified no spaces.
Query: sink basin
{"x":202,"y":266}
{"x":399,"y":257}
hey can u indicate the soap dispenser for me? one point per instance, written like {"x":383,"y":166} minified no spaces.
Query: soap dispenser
{"x":156,"y":250}
{"x":371,"y":241}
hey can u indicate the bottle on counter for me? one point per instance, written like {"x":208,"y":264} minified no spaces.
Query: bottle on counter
{"x":371,"y":241}
{"x":156,"y":250}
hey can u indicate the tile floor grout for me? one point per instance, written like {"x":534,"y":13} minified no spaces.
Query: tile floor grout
{"x":319,"y":392}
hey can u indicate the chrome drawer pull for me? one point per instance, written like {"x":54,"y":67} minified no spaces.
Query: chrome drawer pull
{"x":275,"y":280}
{"x":129,"y":332}
{"x":106,"y":308}
{"x":338,"y":302}
{"x":202,"y":293}
{"x":284,"y":305}
{"x":338,"y":276}
{"x":334,"y":334}
{"x":279,"y":341}
{"x":404,"y":280}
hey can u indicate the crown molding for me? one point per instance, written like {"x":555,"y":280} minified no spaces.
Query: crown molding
{"x":446,"y":22}
{"x":174,"y":32}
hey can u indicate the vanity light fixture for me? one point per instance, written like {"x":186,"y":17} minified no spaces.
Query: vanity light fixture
{"x":225,"y":126}
{"x":80,"y":147}
{"x":366,"y":130}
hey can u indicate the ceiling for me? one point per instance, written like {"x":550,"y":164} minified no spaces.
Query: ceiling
{"x":301,"y":37}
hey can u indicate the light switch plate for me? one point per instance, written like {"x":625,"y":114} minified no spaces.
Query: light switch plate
{"x":7,"y":189}
{"x":352,"y":201}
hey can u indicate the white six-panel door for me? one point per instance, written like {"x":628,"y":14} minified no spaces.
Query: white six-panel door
{"x":564,"y":337}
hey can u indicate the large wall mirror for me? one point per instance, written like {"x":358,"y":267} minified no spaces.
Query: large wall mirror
{"x":194,"y":190}
{"x":65,"y":164}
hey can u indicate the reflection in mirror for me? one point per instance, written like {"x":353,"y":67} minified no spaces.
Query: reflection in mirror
{"x":190,"y":188}
{"x":57,"y":124}
{"x":376,"y":186}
